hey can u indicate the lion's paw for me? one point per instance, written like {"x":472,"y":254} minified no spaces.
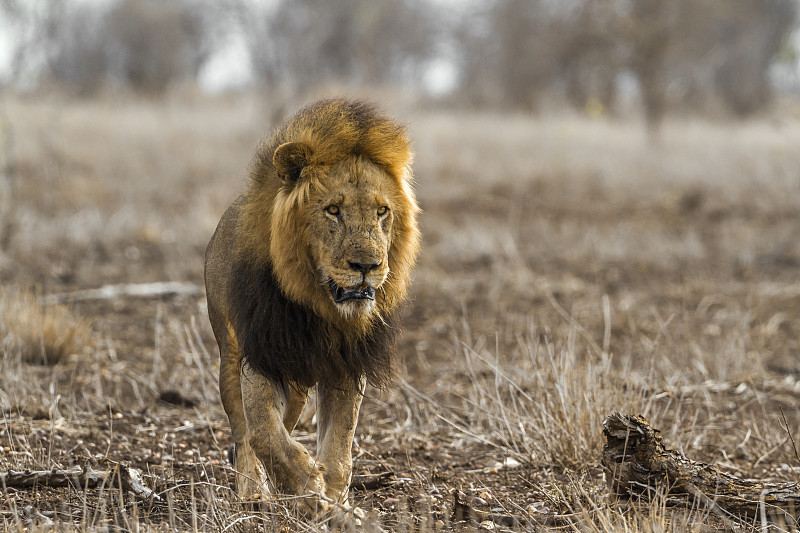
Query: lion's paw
{"x":344,"y":518}
{"x":311,"y":507}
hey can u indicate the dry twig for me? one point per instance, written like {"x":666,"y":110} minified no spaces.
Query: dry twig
{"x":141,"y":290}
{"x":79,"y":477}
{"x":372,"y":481}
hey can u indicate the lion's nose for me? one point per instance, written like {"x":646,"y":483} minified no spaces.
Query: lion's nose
{"x":364,"y":268}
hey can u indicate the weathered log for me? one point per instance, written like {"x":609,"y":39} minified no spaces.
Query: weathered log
{"x":637,"y":464}
{"x":79,"y":477}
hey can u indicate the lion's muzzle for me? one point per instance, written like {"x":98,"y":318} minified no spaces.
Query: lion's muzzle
{"x":341,"y":294}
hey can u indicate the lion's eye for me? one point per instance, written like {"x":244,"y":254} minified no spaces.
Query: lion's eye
{"x":382,"y":210}
{"x":332,"y":210}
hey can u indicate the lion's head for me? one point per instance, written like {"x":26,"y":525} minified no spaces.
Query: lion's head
{"x":334,"y":185}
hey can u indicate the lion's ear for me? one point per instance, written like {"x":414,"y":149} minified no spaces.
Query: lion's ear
{"x":289,"y":160}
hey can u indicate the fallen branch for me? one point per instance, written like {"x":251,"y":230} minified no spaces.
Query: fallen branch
{"x":80,"y":477}
{"x":140,"y":290}
{"x":637,"y":464}
{"x":372,"y":481}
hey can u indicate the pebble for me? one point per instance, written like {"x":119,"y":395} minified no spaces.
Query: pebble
{"x":538,"y":507}
{"x":391,"y":502}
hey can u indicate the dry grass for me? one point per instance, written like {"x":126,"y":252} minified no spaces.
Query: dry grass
{"x":40,"y":334}
{"x":569,"y":269}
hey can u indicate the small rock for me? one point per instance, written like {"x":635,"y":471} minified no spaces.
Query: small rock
{"x":538,"y":508}
{"x":391,"y":503}
{"x":174,"y":397}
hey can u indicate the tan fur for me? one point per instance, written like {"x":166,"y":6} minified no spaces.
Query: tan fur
{"x":329,"y":190}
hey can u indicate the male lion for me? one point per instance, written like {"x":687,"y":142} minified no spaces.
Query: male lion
{"x":304,"y":275}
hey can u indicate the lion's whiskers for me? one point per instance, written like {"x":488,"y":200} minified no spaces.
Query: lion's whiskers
{"x":380,"y":318}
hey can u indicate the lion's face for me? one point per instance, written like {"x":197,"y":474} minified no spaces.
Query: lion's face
{"x":350,"y":225}
{"x":343,"y":235}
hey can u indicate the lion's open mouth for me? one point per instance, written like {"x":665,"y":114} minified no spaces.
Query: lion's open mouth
{"x":342,"y":295}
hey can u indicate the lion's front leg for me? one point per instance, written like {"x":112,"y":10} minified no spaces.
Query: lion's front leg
{"x":290,"y":468}
{"x":337,"y":415}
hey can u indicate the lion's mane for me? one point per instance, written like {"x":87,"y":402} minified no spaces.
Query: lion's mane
{"x":284,"y":321}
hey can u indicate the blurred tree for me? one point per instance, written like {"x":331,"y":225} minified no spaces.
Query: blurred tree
{"x":475,"y":53}
{"x":517,"y":52}
{"x":512,"y":54}
{"x":715,"y":50}
{"x":305,"y":42}
{"x":681,"y":52}
{"x":530,"y":45}
{"x":31,"y":26}
{"x":593,"y":57}
{"x":143,"y":44}
{"x":74,"y":47}
{"x":649,"y":28}
{"x":754,"y":34}
{"x":7,"y":185}
{"x":149,"y":43}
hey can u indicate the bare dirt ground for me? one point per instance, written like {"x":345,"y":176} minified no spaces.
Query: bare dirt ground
{"x":570,"y":269}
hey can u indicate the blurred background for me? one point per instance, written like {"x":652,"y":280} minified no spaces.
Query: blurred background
{"x":595,"y":56}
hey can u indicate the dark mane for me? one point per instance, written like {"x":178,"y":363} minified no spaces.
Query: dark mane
{"x":285,"y":341}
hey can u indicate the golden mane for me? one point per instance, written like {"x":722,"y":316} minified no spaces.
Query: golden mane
{"x":338,"y":128}
{"x":271,"y":224}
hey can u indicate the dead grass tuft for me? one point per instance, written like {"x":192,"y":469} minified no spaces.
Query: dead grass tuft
{"x":539,"y":400}
{"x":40,"y":334}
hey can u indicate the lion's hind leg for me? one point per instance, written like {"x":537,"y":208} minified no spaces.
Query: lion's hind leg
{"x":250,"y":476}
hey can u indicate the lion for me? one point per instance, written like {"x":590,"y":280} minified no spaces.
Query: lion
{"x":304,"y":275}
